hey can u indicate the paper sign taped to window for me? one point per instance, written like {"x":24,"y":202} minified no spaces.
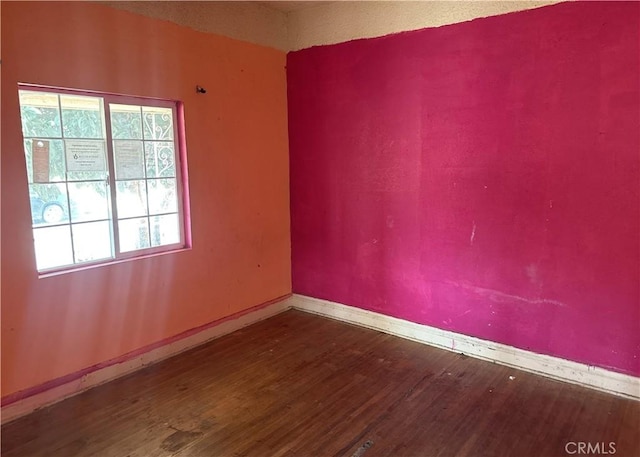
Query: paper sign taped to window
{"x":85,"y":155}
{"x":129,"y":159}
{"x":40,"y":160}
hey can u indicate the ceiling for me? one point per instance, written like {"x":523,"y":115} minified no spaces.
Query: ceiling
{"x":293,"y":25}
{"x":288,"y":7}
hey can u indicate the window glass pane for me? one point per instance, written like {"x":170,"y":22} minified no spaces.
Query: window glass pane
{"x":39,"y":114}
{"x":86,"y":159}
{"x":162,"y":196}
{"x":160,"y":159}
{"x":81,"y":116}
{"x":89,"y":201}
{"x":134,"y":234}
{"x":131,"y":197}
{"x":126,"y":122}
{"x":165,"y":230}
{"x":53,"y":247}
{"x":87,"y":175}
{"x":48,"y":204}
{"x":158,"y":123}
{"x":92,"y":241}
{"x":128,"y":156}
{"x":85,"y":155}
{"x":49,"y":161}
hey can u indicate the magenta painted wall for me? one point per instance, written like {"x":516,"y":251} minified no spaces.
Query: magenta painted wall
{"x":481,"y":177}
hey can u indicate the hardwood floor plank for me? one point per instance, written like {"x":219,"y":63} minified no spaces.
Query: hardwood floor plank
{"x":302,"y":385}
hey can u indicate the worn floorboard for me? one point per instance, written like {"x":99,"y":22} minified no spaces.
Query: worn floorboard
{"x":302,"y":385}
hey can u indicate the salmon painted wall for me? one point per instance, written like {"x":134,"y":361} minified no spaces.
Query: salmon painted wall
{"x":481,"y":177}
{"x":237,"y":150}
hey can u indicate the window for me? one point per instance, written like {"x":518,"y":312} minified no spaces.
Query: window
{"x":104,"y":176}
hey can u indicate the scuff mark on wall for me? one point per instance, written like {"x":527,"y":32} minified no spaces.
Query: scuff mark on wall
{"x":473,"y":234}
{"x":501,"y":297}
{"x":533,"y":274}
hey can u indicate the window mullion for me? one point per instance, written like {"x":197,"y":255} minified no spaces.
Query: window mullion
{"x":66,"y":179}
{"x":146,"y":187}
{"x":111,"y":179}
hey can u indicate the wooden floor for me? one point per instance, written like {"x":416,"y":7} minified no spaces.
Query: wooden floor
{"x":301,"y":385}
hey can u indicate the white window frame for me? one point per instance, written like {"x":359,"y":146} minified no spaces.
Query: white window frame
{"x":181,"y":177}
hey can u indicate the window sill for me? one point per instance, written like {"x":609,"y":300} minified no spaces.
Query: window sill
{"x":101,"y":263}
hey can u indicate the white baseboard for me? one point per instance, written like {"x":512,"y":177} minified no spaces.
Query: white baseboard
{"x":113,"y":371}
{"x":552,"y":367}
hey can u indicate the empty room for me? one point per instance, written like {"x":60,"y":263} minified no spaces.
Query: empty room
{"x":320,"y":228}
